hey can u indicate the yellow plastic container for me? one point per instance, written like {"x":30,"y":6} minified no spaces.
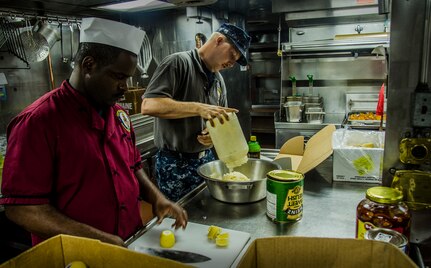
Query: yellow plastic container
{"x":229,"y":141}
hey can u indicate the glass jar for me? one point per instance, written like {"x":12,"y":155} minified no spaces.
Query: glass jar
{"x":383,"y":208}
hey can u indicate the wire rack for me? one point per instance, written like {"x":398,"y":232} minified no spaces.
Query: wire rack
{"x":10,"y":37}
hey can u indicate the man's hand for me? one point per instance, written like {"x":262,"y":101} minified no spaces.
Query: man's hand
{"x":205,"y":138}
{"x":164,"y":208}
{"x":210,"y":112}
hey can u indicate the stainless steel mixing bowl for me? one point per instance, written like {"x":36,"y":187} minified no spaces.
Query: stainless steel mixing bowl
{"x":237,"y":191}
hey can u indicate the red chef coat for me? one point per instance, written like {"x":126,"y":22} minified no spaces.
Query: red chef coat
{"x":62,"y":152}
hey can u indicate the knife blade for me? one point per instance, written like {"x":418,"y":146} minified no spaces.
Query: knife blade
{"x":176,"y":255}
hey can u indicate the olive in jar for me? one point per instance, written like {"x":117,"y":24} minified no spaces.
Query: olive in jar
{"x":382,"y":208}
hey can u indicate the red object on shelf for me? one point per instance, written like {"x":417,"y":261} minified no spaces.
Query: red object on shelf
{"x":381,"y":102}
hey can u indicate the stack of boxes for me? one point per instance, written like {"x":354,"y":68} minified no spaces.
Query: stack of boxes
{"x":132,"y":100}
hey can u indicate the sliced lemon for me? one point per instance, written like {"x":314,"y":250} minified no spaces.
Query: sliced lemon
{"x":167,"y":239}
{"x":223,"y":236}
{"x":213,"y":232}
{"x":368,"y":145}
{"x":222,"y":240}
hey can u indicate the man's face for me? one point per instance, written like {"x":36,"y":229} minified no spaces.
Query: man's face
{"x":105,"y":85}
{"x":228,"y":54}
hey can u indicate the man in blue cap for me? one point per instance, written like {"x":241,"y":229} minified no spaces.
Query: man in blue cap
{"x":185,"y":90}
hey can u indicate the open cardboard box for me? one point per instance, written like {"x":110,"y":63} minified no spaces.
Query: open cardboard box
{"x":61,"y":250}
{"x":358,"y":155}
{"x":293,"y":156}
{"x":287,"y":251}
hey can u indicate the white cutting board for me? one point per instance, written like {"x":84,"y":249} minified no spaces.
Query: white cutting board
{"x":194,"y":239}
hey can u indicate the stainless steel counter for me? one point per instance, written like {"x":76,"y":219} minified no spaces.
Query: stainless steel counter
{"x":329,"y":119}
{"x":286,"y":130}
{"x":329,"y":209}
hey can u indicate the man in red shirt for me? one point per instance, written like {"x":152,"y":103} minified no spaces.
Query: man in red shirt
{"x":71,"y":164}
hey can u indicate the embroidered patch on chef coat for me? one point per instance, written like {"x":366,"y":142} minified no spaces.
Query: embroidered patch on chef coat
{"x":124,"y":119}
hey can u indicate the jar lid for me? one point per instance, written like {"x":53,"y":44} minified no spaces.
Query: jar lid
{"x":285,"y":175}
{"x":387,"y":235}
{"x":385,"y":195}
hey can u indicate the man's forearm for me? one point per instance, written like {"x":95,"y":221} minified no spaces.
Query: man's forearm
{"x":45,"y":221}
{"x":168,"y":108}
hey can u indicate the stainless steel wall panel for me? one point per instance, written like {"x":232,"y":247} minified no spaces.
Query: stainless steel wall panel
{"x":345,"y":68}
{"x":328,"y":32}
{"x":306,"y":5}
{"x":404,"y":65}
{"x":334,"y":14}
{"x":407,"y":37}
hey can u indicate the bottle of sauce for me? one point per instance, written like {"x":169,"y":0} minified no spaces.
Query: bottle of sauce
{"x":229,"y":141}
{"x":253,"y":148}
{"x":382,"y":208}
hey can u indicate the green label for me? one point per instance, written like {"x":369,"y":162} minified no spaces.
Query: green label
{"x":254,"y":155}
{"x":284,"y":200}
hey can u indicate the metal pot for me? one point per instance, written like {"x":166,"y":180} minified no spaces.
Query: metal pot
{"x":241,"y":191}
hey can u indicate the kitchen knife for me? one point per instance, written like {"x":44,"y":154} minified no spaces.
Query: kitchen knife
{"x":176,"y":255}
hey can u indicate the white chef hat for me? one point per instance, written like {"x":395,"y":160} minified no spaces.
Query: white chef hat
{"x":112,"y":33}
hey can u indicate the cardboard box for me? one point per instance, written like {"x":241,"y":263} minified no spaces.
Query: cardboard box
{"x":132,"y":100}
{"x":322,"y":252}
{"x":298,"y":156}
{"x":358,"y":155}
{"x":61,"y":250}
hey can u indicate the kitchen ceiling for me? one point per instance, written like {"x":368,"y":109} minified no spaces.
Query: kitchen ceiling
{"x":78,"y":8}
{"x":81,"y":8}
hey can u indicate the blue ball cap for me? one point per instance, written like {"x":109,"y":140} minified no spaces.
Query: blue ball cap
{"x":239,"y":38}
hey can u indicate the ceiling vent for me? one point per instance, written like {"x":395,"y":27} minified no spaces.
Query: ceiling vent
{"x":191,"y":3}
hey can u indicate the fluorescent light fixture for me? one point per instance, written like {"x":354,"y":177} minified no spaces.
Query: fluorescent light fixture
{"x":137,"y":5}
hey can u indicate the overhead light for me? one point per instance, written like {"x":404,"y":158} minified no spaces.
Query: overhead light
{"x":138,"y":5}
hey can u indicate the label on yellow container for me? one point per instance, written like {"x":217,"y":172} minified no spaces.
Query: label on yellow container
{"x":284,"y":195}
{"x":293,"y":203}
{"x":362,"y":228}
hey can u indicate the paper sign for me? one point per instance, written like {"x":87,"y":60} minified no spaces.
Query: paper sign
{"x":3,"y":80}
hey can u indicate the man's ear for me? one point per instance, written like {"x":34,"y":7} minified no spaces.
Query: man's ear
{"x":219,"y":40}
{"x":88,"y":63}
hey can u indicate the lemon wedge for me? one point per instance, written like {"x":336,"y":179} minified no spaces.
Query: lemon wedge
{"x":368,"y":145}
{"x":222,"y":240}
{"x":213,"y":232}
{"x":167,"y":239}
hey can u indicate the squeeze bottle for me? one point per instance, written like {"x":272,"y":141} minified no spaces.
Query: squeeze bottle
{"x":253,"y":148}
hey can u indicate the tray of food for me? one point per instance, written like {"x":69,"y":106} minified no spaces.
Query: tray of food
{"x":365,"y":118}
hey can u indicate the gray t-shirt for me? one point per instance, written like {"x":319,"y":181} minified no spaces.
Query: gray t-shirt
{"x":180,"y":76}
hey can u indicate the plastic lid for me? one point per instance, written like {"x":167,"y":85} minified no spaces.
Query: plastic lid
{"x":386,"y":235}
{"x":253,"y":138}
{"x":384,"y":195}
{"x":285,"y":175}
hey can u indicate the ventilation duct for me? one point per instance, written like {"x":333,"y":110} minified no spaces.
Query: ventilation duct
{"x":191,"y":3}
